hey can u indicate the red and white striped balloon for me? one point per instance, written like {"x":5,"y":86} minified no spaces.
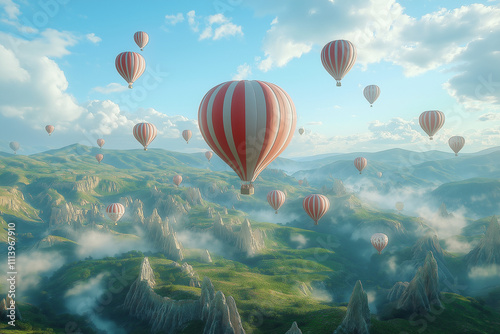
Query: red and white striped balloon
{"x":130,"y":65}
{"x":141,"y":39}
{"x":100,"y":142}
{"x":99,"y":157}
{"x":49,"y":129}
{"x":371,"y":93}
{"x":338,"y":57}
{"x":247,"y":124}
{"x":115,"y":211}
{"x":360,"y":163}
{"x":208,"y":155}
{"x":316,"y":206}
{"x":187,"y":134}
{"x":177,"y":180}
{"x":431,"y":121}
{"x":276,"y":198}
{"x":145,"y":133}
{"x":456,"y":143}
{"x":379,"y":241}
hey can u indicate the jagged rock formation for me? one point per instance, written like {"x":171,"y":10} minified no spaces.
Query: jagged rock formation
{"x":193,"y":196}
{"x":5,"y":303}
{"x":396,"y":291}
{"x":167,"y":316}
{"x":294,"y":329}
{"x":210,"y":212}
{"x":65,"y":214}
{"x":305,"y":289}
{"x":205,"y":257}
{"x":163,"y":237}
{"x":423,"y":290}
{"x":194,"y":279}
{"x":85,"y":183}
{"x":442,"y":212}
{"x":357,"y":318}
{"x":137,"y":211}
{"x":168,"y":206}
{"x":245,"y":241}
{"x":488,"y":250}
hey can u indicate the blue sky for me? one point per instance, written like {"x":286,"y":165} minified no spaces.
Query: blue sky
{"x":58,"y":68}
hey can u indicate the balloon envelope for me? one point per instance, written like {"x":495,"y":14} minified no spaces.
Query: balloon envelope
{"x":141,"y":39}
{"x":456,"y":143}
{"x":145,"y":133}
{"x":431,"y":121}
{"x":177,"y":180}
{"x":400,"y":206}
{"x":49,"y":129}
{"x":360,"y":163}
{"x":209,"y":155}
{"x":247,"y":124}
{"x":379,"y":174}
{"x":187,"y":134}
{"x":338,"y":57}
{"x":130,"y":65}
{"x":371,"y":93}
{"x":301,"y":131}
{"x":99,"y":157}
{"x":100,"y":142}
{"x":14,"y":145}
{"x":379,"y":241}
{"x":115,"y":211}
{"x":276,"y":198}
{"x":316,"y":206}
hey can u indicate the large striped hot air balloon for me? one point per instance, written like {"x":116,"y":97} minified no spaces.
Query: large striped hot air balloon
{"x":141,"y":39}
{"x":14,"y":145}
{"x":316,"y":206}
{"x":115,"y":211}
{"x":49,"y":129}
{"x":208,"y":155}
{"x":100,"y":142}
{"x":177,"y":180}
{"x":99,"y":157}
{"x":360,"y":163}
{"x":379,"y":241}
{"x":338,"y":57}
{"x":431,"y":121}
{"x":187,"y":134}
{"x":456,"y":143}
{"x":130,"y":65}
{"x":276,"y":198}
{"x":145,"y":133}
{"x":247,"y":124}
{"x":371,"y":93}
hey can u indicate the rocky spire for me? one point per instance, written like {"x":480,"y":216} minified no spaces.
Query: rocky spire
{"x":442,"y":212}
{"x":205,"y":257}
{"x":357,"y":318}
{"x":246,"y":241}
{"x":163,"y":237}
{"x":294,"y":329}
{"x":488,"y":249}
{"x":396,"y":291}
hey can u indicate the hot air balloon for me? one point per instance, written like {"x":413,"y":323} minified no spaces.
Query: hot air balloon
{"x":49,"y":129}
{"x":371,"y":93}
{"x":379,"y":241}
{"x":300,"y":182}
{"x":141,"y":39}
{"x":456,"y":143}
{"x":360,"y":163}
{"x":99,"y":157}
{"x":100,"y":142}
{"x":145,"y":133}
{"x":130,"y":65}
{"x":400,"y":206}
{"x":187,"y":134}
{"x":115,"y":211}
{"x":177,"y":180}
{"x":247,"y":124}
{"x":431,"y":121}
{"x":316,"y":206}
{"x":208,"y":155}
{"x":301,"y":131}
{"x":379,"y":174}
{"x":338,"y":57}
{"x":276,"y":198}
{"x":14,"y":145}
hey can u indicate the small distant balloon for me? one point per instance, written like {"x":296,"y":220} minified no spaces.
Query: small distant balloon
{"x":276,"y":198}
{"x":99,"y":157}
{"x":49,"y":129}
{"x":301,"y":131}
{"x":360,"y":163}
{"x":300,"y":182}
{"x":208,"y":155}
{"x":379,"y":241}
{"x":141,"y":39}
{"x":177,"y":180}
{"x":145,"y":133}
{"x":371,"y":93}
{"x":14,"y":145}
{"x":400,"y":206}
{"x":131,"y":66}
{"x":456,"y":143}
{"x":431,"y":121}
{"x":187,"y":134}
{"x":379,"y":174}
{"x":316,"y":206}
{"x":115,"y":211}
{"x":100,"y":142}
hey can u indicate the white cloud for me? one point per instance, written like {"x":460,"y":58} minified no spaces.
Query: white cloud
{"x":242,"y":72}
{"x":397,"y":129}
{"x":315,"y":123}
{"x":489,"y":117}
{"x":110,"y":88}
{"x":93,"y":38}
{"x":11,"y":9}
{"x":225,"y":28}
{"x":174,"y":19}
{"x":193,"y":24}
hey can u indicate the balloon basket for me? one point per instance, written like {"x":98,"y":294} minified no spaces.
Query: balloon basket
{"x":247,"y":189}
{"x":339,"y":84}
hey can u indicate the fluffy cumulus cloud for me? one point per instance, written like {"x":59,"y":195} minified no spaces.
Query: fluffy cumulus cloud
{"x":110,"y":88}
{"x":242,"y":72}
{"x":93,"y":38}
{"x":174,"y":19}
{"x":216,"y":26}
{"x":397,"y":129}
